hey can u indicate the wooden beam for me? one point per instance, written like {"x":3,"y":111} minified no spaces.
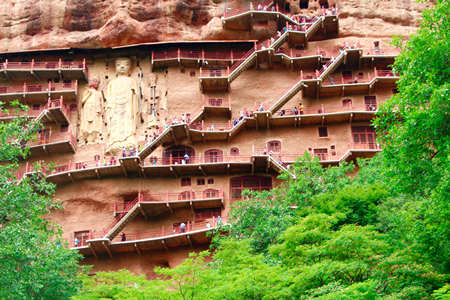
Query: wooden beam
{"x":174,"y":172}
{"x":36,"y":76}
{"x":163,"y":243}
{"x":172,"y":133}
{"x":189,"y":240}
{"x":124,"y":171}
{"x":202,"y":170}
{"x":92,"y":250}
{"x":137,"y":249}
{"x":188,"y":133}
{"x":70,"y":177}
{"x":170,"y":208}
{"x":253,"y":166}
{"x":192,"y":206}
{"x":141,"y":209}
{"x":107,"y":249}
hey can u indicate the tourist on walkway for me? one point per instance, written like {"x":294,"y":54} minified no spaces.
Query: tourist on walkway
{"x":124,"y":237}
{"x":182,"y":227}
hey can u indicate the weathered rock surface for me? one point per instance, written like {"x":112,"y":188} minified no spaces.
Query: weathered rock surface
{"x":44,"y":24}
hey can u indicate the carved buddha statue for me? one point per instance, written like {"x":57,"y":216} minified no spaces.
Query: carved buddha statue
{"x":122,"y":110}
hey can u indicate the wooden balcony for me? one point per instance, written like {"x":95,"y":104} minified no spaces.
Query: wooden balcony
{"x":217,"y":106}
{"x":319,"y":115}
{"x":196,"y":57}
{"x":39,"y":92}
{"x":214,"y":79}
{"x":155,"y":204}
{"x":153,"y":240}
{"x":61,"y":142}
{"x":153,"y":167}
{"x":41,"y":70}
{"x":55,"y":111}
{"x":151,"y":205}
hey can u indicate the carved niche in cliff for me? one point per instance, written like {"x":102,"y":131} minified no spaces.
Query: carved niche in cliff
{"x":122,"y":108}
{"x":91,"y":112}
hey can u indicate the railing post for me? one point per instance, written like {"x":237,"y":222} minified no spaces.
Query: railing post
{"x":6,"y":64}
{"x":59,"y":63}
{"x":203,"y":125}
{"x":203,"y":55}
{"x":322,"y":107}
{"x":228,"y":70}
{"x":167,"y":196}
{"x":49,"y":86}
{"x":254,"y":45}
{"x":231,"y":55}
{"x":229,"y":101}
{"x":203,"y":100}
{"x":179,"y":54}
{"x":375,"y":71}
{"x":301,"y":74}
{"x":170,"y":158}
{"x":32,"y":64}
{"x":291,"y":54}
{"x":24,"y":87}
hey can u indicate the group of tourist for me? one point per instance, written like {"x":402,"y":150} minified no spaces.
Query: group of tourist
{"x":297,"y":110}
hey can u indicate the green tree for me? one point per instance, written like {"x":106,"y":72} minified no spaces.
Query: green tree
{"x":33,"y":262}
{"x":121,"y":285}
{"x":413,"y":127}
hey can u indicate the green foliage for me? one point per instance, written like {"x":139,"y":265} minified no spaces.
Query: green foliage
{"x":121,"y":285}
{"x":33,"y":262}
{"x":414,"y":129}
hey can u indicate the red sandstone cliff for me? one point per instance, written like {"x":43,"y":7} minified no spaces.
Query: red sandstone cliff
{"x":43,"y":24}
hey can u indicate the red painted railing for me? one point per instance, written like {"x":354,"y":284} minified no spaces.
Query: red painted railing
{"x":43,"y":138}
{"x":364,"y":146}
{"x":35,"y":111}
{"x":326,"y":108}
{"x":33,"y":88}
{"x":124,"y":207}
{"x":199,"y":159}
{"x":48,"y":65}
{"x":212,"y":126}
{"x":384,"y":73}
{"x":214,"y":72}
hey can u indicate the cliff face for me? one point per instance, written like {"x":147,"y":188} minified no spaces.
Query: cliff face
{"x":44,"y":24}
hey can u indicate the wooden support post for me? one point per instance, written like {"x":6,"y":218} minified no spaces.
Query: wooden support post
{"x":107,"y":249}
{"x":137,"y":249}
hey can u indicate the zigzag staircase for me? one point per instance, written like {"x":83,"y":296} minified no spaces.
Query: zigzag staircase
{"x":299,"y":85}
{"x":251,"y":56}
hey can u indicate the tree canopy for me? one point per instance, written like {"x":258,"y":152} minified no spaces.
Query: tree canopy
{"x":33,"y":262}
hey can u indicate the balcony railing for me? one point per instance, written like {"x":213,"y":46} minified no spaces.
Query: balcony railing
{"x":199,"y":159}
{"x":123,"y":207}
{"x":45,"y":138}
{"x":36,"y":88}
{"x":324,"y":109}
{"x":214,"y":72}
{"x":211,"y":127}
{"x":48,"y":65}
{"x":216,"y":102}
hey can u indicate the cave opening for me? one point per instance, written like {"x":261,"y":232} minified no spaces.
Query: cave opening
{"x":304,"y":4}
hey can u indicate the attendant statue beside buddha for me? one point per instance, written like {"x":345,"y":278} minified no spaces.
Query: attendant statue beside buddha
{"x":91,"y":112}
